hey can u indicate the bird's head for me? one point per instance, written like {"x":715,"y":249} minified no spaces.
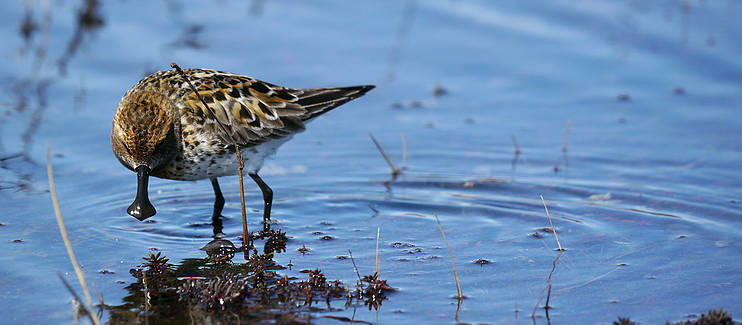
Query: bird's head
{"x":143,"y":139}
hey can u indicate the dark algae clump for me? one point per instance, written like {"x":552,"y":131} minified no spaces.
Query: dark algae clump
{"x":216,"y":289}
{"x":713,"y":317}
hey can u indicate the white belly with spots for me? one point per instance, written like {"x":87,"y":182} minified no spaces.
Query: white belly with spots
{"x":205,"y":163}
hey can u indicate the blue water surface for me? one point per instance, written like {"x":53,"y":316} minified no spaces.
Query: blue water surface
{"x":626,"y":115}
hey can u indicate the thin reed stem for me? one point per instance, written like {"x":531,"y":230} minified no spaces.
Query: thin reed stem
{"x":240,"y":166}
{"x":395,"y":171}
{"x":455,"y":274}
{"x":378,"y":233}
{"x":552,"y":224}
{"x":360,"y":282}
{"x":66,"y":239}
{"x":553,"y":264}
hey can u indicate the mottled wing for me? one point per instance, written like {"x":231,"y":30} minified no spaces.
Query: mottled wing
{"x":250,"y":111}
{"x":317,"y":101}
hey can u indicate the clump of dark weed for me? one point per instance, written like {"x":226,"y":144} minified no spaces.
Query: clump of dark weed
{"x":155,"y":271}
{"x":226,"y":291}
{"x":624,"y":321}
{"x":373,"y":294}
{"x":713,"y":317}
{"x":215,"y":293}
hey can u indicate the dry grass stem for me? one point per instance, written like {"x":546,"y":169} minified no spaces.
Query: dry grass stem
{"x":355,"y":267}
{"x":378,"y":233}
{"x":395,"y":171}
{"x":455,"y":274}
{"x":240,"y":166}
{"x":553,"y":265}
{"x":550,"y":223}
{"x":66,"y":239}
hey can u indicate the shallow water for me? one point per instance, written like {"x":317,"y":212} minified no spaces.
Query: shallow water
{"x":645,"y":198}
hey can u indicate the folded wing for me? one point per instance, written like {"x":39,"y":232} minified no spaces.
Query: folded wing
{"x":249,"y":111}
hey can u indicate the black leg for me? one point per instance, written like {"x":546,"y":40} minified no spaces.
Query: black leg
{"x":267,"y":197}
{"x":216,"y":217}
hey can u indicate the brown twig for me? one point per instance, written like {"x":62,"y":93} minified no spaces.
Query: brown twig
{"x":355,"y":268}
{"x":66,"y":239}
{"x":455,"y":274}
{"x":553,"y":266}
{"x":240,"y":166}
{"x":378,"y":233}
{"x":550,"y":223}
{"x":395,"y":171}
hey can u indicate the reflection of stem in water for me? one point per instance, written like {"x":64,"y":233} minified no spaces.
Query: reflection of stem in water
{"x":516,"y":153}
{"x":564,"y":150}
{"x":189,"y":38}
{"x":403,"y":30}
{"x":88,"y":20}
{"x":35,"y":121}
{"x":41,"y":48}
{"x":256,"y":7}
{"x":685,"y":7}
{"x":28,"y":26}
{"x":566,"y":136}
{"x":80,"y":93}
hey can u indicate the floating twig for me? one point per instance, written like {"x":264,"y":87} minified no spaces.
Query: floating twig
{"x":455,"y":274}
{"x":395,"y":171}
{"x":66,"y":239}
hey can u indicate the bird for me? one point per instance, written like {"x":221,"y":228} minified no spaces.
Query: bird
{"x":187,"y":124}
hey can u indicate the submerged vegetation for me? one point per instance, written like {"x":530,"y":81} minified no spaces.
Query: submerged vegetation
{"x":624,"y":218}
{"x":713,"y":317}
{"x":220,"y":290}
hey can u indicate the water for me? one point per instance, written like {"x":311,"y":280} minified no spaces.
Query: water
{"x":645,"y":199}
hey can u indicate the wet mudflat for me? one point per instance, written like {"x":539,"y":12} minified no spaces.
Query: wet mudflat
{"x":624,"y":115}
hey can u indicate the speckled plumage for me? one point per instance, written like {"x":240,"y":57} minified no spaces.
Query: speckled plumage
{"x":162,"y":123}
{"x":258,"y":116}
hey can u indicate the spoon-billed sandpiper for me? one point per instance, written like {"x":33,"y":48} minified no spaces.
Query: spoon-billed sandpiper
{"x":161,"y":127}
